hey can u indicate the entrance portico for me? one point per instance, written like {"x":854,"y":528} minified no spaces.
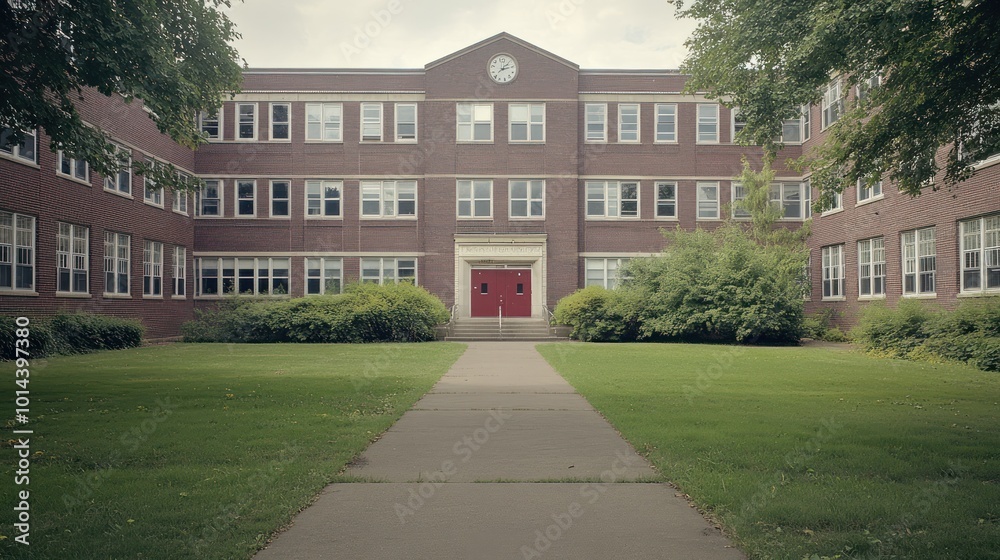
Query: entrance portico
{"x":510,"y":268}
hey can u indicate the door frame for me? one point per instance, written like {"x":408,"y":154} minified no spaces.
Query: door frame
{"x":525,"y":251}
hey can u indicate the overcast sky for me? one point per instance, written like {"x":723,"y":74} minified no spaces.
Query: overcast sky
{"x":367,"y":34}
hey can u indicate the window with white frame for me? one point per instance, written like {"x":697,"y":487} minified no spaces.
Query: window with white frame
{"x":73,"y":259}
{"x":596,"y":122}
{"x":805,"y":278}
{"x":152,"y":269}
{"x":708,"y":123}
{"x":791,"y":199}
{"x":246,"y":121}
{"x":527,"y":122}
{"x":871,"y":267}
{"x":151,"y":192}
{"x":869,"y":191}
{"x":388,"y":199}
{"x":246,"y":198}
{"x":866,"y":86}
{"x":666,"y":199}
{"x":280,"y":199}
{"x":325,"y":122}
{"x":208,"y":200}
{"x":919,"y":252}
{"x":180,"y":271}
{"x":388,"y":269}
{"x":180,"y":198}
{"x":323,"y":199}
{"x":833,"y":272}
{"x":281,"y":121}
{"x":836,"y":203}
{"x":475,"y":199}
{"x":117,"y":263}
{"x":604,"y":272}
{"x":739,"y":194}
{"x":806,"y":122}
{"x":475,"y":122}
{"x":981,"y":254}
{"x":242,"y":275}
{"x":628,"y":122}
{"x":527,"y":198}
{"x":833,"y":103}
{"x":708,"y":200}
{"x":121,"y":182}
{"x":210,"y":124}
{"x":371,"y":122}
{"x":72,"y":167}
{"x":17,"y":252}
{"x":612,"y":199}
{"x":739,"y":122}
{"x":324,"y":275}
{"x":666,"y":122}
{"x":406,"y":122}
{"x":27,"y":150}
{"x":791,"y":131}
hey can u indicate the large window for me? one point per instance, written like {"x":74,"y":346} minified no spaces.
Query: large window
{"x":246,"y":121}
{"x":210,"y":125}
{"x":17,"y":252}
{"x":527,"y":122}
{"x":117,"y":263}
{"x":919,"y":252}
{"x":475,"y":122}
{"x":708,"y":200}
{"x":180,"y":271}
{"x":208,"y":200}
{"x":180,"y":198}
{"x":242,"y":275}
{"x":833,"y":103}
{"x":666,"y":199}
{"x":791,"y":131}
{"x":666,"y":122}
{"x":406,"y":122}
{"x":981,"y":254}
{"x":325,"y":122}
{"x":72,"y":167}
{"x":806,"y":122}
{"x":596,"y":115}
{"x":628,"y":122}
{"x":324,"y":275}
{"x":371,"y":122}
{"x":151,"y":192}
{"x":871,"y":267}
{"x":323,"y":199}
{"x":384,"y":270}
{"x":281,"y":121}
{"x":73,"y":259}
{"x":739,"y":194}
{"x":604,"y":272}
{"x":27,"y":150}
{"x":475,"y":199}
{"x":739,"y":122}
{"x":246,"y":198}
{"x":280,"y":199}
{"x":612,"y":199}
{"x":833,"y":272}
{"x":122,"y":181}
{"x":152,"y":269}
{"x":791,"y":198}
{"x":708,"y":124}
{"x":527,"y":198}
{"x":868,"y":192}
{"x":388,"y":199}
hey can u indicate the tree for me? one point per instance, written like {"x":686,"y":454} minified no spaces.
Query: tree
{"x":937,"y":61}
{"x":173,"y":55}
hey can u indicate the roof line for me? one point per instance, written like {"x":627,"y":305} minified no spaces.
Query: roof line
{"x":498,"y":37}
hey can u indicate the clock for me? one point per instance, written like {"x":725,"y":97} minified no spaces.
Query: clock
{"x":503,"y":68}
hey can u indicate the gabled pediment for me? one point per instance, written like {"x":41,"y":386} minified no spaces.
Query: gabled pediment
{"x":499,"y":38}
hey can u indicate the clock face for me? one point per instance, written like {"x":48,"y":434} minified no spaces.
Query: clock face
{"x":503,"y":68}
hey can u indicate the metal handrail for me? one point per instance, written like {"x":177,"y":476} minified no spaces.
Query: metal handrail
{"x":500,"y":316}
{"x":550,"y":317}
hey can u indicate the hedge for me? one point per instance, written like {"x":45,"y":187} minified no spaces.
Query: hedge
{"x":75,"y":333}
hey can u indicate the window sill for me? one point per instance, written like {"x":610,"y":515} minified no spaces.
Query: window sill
{"x":526,"y":218}
{"x":209,"y":217}
{"x":324,"y":218}
{"x":831,"y":212}
{"x":315,"y":141}
{"x":116,"y":296}
{"x":708,"y":219}
{"x":17,"y":159}
{"x":666,"y":142}
{"x":245,"y":217}
{"x":279,"y":217}
{"x":612,"y":219}
{"x":119,"y":193}
{"x":872,"y":298}
{"x":837,"y":298}
{"x":153,"y":204}
{"x":178,"y":298}
{"x":920,"y":296}
{"x":246,"y":140}
{"x":989,"y":292}
{"x":160,"y":298}
{"x":18,"y":293}
{"x":633,"y":142}
{"x":73,"y":295}
{"x":388,"y":218}
{"x":666,"y":218}
{"x":708,"y":143}
{"x":279,"y":141}
{"x":526,"y":142}
{"x":474,"y":218}
{"x":179,"y":213}
{"x":474,"y":142}
{"x":595,"y":141}
{"x":84,"y":182}
{"x":406,"y":141}
{"x":870,"y":200}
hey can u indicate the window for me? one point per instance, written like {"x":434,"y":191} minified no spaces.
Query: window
{"x":323,"y":199}
{"x":324,"y":122}
{"x":739,"y":122}
{"x":406,"y":122}
{"x":208,"y":201}
{"x":833,"y":103}
{"x":324,"y":275}
{"x":246,"y":197}
{"x":280,"y":199}
{"x":180,"y":198}
{"x":806,"y":122}
{"x":666,"y":199}
{"x":708,"y":124}
{"x":628,"y":122}
{"x":246,"y":121}
{"x":210,"y":124}
{"x":596,"y":122}
{"x":73,"y":259}
{"x":180,"y":272}
{"x":612,"y":199}
{"x":17,"y":252}
{"x":475,"y":199}
{"x":281,"y":121}
{"x":151,"y":194}
{"x":869,"y":191}
{"x":527,"y":122}
{"x":117,"y":262}
{"x":866,"y":86}
{"x":833,"y":272}
{"x":122,"y":181}
{"x":739,"y":193}
{"x":475,"y":122}
{"x":836,"y":204}
{"x":919,"y":261}
{"x":871,"y":267}
{"x":152,"y":269}
{"x":381,"y":271}
{"x":604,"y":272}
{"x":26,"y":150}
{"x":981,"y":254}
{"x":243,"y":275}
{"x":72,"y":167}
{"x":708,"y":200}
{"x":388,"y":199}
{"x":791,"y":199}
{"x":666,"y":123}
{"x":791,"y":131}
{"x":371,"y":122}
{"x":527,"y":198}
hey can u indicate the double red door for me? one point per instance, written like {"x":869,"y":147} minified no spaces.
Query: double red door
{"x":496,"y":290}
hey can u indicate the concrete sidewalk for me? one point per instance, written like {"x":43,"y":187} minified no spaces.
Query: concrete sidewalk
{"x":501,"y":459}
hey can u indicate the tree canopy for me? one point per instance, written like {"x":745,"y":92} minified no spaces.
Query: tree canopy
{"x":939,"y":87}
{"x":173,"y":55}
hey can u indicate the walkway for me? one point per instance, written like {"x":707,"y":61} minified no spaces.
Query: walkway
{"x":501,"y":459}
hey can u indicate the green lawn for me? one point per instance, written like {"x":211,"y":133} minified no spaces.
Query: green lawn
{"x":198,"y":451}
{"x":803,"y":451}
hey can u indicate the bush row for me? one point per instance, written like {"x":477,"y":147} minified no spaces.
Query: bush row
{"x":75,"y":333}
{"x":364,"y":313}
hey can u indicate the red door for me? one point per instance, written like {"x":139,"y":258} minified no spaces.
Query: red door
{"x":501,"y":290}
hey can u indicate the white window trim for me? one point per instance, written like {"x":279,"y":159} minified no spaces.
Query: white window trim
{"x":177,"y":196}
{"x":698,"y":200}
{"x":733,"y":199}
{"x":656,"y":194}
{"x":221,"y":189}
{"x":732,"y":124}
{"x":381,"y":269}
{"x":473,"y":122}
{"x":617,"y":186}
{"x":270,"y":200}
{"x":835,"y":209}
{"x":322,"y":124}
{"x":638,"y":123}
{"x":117,"y":265}
{"x":237,"y":199}
{"x":150,"y":246}
{"x":71,"y":257}
{"x":322,"y":277}
{"x":510,"y":123}
{"x":718,"y":124}
{"x":620,"y":262}
{"x":805,"y":198}
{"x":656,"y":124}
{"x":322,"y":200}
{"x":256,"y":122}
{"x":381,"y":122}
{"x":382,"y":202}
{"x":872,"y":263}
{"x":258,"y":263}
{"x":841,"y":267}
{"x":983,"y":290}
{"x":221,"y":135}
{"x":586,"y":133}
{"x":870,"y":199}
{"x":825,"y":103}
{"x":115,"y":179}
{"x":917,"y":270}
{"x":416,"y":123}
{"x":158,"y":190}
{"x":472,"y":200}
{"x":15,"y":151}
{"x":72,"y":165}
{"x":180,"y":268}
{"x":806,"y":121}
{"x":510,"y":201}
{"x":33,"y":290}
{"x":271,"y":123}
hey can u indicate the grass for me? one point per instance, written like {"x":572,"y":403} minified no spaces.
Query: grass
{"x":199,"y":451}
{"x":804,"y":451}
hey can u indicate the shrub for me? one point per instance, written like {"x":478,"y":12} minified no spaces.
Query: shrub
{"x":39,"y":339}
{"x":598,"y":315}
{"x":893,"y":331}
{"x":817,"y":327}
{"x":82,"y":332}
